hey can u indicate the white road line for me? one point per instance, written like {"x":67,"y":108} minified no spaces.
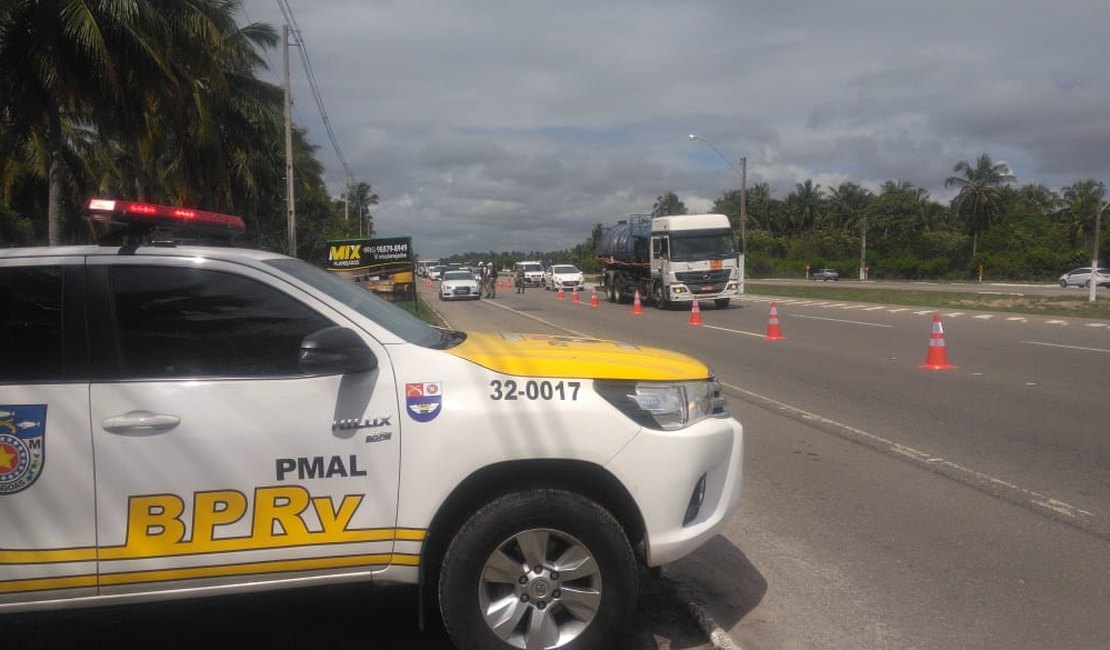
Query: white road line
{"x":874,"y":308}
{"x":983,"y":317}
{"x":725,"y":329}
{"x":1096,"y":325}
{"x":953,"y":314}
{"x":841,"y":320}
{"x":1019,"y":319}
{"x":1067,"y":347}
{"x":899,"y":310}
{"x":1056,"y":322}
{"x":970,"y":476}
{"x":924,"y":311}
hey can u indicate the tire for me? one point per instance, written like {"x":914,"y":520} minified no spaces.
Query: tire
{"x":657,"y":297}
{"x":721,"y":303}
{"x":480,"y":582}
{"x":1087,"y":284}
{"x":1063,"y":284}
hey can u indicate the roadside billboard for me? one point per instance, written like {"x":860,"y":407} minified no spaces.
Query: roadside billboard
{"x":384,"y":266}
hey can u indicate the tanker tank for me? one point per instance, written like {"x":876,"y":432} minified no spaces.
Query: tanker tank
{"x":627,"y":242}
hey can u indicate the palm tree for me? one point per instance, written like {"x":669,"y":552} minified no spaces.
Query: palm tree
{"x":806,"y":205}
{"x":1081,"y":202}
{"x":61,"y":63}
{"x":667,"y":204}
{"x":362,"y":196}
{"x":978,"y":202}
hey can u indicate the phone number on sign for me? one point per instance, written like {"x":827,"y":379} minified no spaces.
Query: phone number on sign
{"x":510,"y":389}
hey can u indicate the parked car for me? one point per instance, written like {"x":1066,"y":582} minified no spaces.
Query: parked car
{"x":826,"y":275}
{"x":533,"y":273}
{"x":1082,"y":278}
{"x":459,"y":285}
{"x":222,"y":420}
{"x":563,"y":276}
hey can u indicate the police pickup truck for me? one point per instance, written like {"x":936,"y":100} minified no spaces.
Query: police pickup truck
{"x":180,"y":421}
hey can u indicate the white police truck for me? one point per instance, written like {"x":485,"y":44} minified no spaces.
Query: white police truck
{"x":181,"y":421}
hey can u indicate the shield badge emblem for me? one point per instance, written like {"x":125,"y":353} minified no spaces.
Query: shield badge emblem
{"x":22,"y":446}
{"x":423,"y":400}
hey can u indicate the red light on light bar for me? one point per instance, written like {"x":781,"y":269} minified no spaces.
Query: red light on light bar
{"x":108,"y":210}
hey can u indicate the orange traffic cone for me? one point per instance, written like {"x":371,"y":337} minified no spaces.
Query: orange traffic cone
{"x":774,"y":332}
{"x":937,"y":357}
{"x":593,"y":299}
{"x":695,"y":313}
{"x":561,"y":295}
{"x":574,"y":295}
{"x":637,"y":307}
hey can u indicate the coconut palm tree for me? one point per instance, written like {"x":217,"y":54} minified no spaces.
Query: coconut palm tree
{"x":362,"y":196}
{"x":979,"y":200}
{"x":1081,"y":202}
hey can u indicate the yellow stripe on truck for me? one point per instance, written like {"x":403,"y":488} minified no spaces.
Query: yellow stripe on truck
{"x":539,"y":355}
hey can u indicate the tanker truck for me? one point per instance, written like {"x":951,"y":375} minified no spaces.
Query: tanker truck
{"x":674,"y":259}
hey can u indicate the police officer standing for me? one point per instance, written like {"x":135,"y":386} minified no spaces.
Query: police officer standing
{"x":519,"y":278}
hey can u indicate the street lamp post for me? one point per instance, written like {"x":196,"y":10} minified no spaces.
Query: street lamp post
{"x":1094,"y":255}
{"x":743,"y":174}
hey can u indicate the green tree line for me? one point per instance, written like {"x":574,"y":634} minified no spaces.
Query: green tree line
{"x":156,"y":101}
{"x":1026,"y":232}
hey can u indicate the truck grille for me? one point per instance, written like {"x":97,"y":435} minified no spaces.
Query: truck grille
{"x":703,"y":277}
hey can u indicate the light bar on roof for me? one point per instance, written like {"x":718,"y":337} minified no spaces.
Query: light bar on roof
{"x":178,"y":218}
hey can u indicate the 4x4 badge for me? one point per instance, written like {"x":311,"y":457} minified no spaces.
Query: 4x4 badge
{"x":22,"y":446}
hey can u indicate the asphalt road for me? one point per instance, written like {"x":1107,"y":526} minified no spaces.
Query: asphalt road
{"x":887,"y":505}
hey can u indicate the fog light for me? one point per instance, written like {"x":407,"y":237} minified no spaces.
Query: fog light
{"x":696,"y":499}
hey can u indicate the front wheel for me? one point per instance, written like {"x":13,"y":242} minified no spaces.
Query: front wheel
{"x":659,"y":296}
{"x":538,"y":569}
{"x":1063,"y":284}
{"x":1087,"y":284}
{"x":721,"y":303}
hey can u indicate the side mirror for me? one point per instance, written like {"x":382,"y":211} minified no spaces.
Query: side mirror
{"x":335,"y":351}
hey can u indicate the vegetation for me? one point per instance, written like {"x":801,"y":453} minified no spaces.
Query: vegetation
{"x":153,"y":101}
{"x":1075,"y":304}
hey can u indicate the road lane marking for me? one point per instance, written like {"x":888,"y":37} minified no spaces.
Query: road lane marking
{"x":841,"y":320}
{"x":1067,"y":347}
{"x":1056,"y":322}
{"x":1036,"y":501}
{"x":725,"y":329}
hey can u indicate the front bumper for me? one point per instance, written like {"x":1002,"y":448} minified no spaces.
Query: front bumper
{"x":661,"y":470}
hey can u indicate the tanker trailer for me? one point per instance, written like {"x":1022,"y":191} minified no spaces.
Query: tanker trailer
{"x":672,"y":259}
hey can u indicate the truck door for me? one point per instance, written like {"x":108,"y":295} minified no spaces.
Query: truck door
{"x":47,"y":525}
{"x":218,"y":461}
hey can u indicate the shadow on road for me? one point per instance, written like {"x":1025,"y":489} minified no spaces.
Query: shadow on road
{"x":722,"y":579}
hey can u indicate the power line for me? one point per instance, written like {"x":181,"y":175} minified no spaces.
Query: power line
{"x":291,"y":21}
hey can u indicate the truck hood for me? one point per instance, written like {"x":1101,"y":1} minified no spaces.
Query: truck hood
{"x":542,"y":355}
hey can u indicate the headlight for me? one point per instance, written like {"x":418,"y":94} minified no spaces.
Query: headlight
{"x":664,"y":405}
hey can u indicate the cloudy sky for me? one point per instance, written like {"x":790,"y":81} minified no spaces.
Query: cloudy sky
{"x":518,"y":124}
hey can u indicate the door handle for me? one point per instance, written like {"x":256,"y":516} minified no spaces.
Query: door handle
{"x":140,"y":423}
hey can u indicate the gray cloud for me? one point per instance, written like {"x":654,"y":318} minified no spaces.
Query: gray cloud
{"x":488,"y":125}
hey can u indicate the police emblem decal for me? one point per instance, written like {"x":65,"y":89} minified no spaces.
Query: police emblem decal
{"x":423,"y":400}
{"x":22,"y":446}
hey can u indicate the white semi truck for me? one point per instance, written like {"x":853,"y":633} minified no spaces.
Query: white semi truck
{"x":672,"y":259}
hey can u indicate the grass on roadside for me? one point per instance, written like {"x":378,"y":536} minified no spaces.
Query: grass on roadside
{"x":421,"y":310}
{"x":1074,"y":306}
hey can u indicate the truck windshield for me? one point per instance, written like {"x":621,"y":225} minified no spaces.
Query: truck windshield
{"x":702,"y":245}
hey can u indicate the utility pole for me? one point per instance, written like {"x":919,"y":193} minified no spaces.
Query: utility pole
{"x":743,"y":219}
{"x":291,"y":215}
{"x":1094,"y":255}
{"x":863,"y":247}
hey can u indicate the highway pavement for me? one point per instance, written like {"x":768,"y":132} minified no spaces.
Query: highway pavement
{"x":886,"y":505}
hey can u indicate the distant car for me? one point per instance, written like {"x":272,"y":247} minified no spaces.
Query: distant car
{"x":1082,"y":278}
{"x":459,"y":285}
{"x":826,"y":275}
{"x":563,"y":276}
{"x":436,"y":272}
{"x":533,"y":273}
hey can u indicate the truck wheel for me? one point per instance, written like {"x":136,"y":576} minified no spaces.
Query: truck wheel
{"x":721,"y":303}
{"x":538,"y":569}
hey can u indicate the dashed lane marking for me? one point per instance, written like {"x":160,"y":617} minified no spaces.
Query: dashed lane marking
{"x":841,"y":320}
{"x":1067,"y":347}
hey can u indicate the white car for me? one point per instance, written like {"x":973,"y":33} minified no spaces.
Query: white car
{"x":1082,"y":278}
{"x":563,"y":276}
{"x":459,"y":285}
{"x":184,"y":421}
